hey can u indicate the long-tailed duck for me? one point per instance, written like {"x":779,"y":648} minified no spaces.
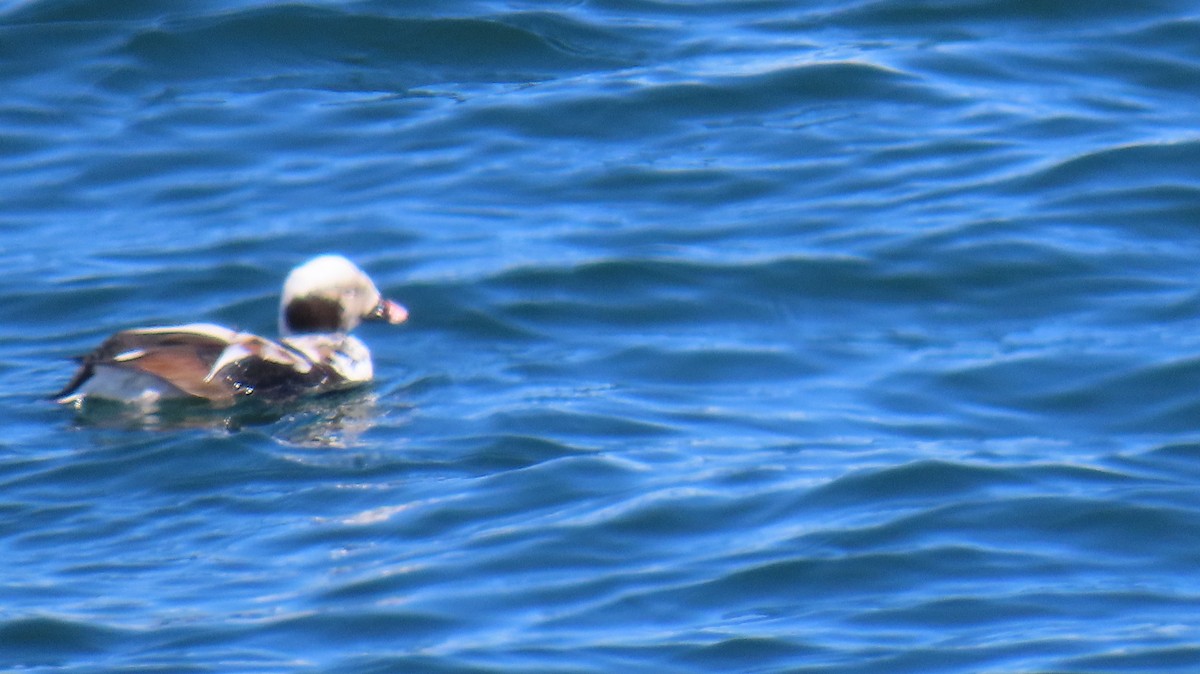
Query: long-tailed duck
{"x":323,"y":300}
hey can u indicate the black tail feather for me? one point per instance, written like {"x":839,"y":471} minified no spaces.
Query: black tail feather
{"x":85,"y":372}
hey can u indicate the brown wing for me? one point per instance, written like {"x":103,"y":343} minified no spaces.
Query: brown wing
{"x":182,"y":358}
{"x":205,"y":361}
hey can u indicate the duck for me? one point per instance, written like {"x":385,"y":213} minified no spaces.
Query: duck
{"x":323,"y":300}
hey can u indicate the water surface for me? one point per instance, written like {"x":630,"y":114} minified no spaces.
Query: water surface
{"x":746,"y":336}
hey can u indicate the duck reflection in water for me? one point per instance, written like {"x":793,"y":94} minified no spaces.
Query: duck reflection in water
{"x":335,"y":420}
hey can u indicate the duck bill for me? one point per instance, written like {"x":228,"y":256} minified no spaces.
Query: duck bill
{"x":389,"y":311}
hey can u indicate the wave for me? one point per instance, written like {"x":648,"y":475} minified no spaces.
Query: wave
{"x":310,"y":47}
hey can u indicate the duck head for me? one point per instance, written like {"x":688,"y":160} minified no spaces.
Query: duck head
{"x":330,"y":294}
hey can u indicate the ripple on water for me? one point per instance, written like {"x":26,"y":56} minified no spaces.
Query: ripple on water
{"x":387,"y":54}
{"x":52,"y":642}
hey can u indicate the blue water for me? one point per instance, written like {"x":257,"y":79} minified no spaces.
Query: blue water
{"x":746,"y":336}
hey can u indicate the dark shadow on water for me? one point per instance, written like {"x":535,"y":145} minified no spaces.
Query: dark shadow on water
{"x":335,"y":419}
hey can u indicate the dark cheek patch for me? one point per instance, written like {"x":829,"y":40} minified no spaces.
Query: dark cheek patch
{"x":313,"y":314}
